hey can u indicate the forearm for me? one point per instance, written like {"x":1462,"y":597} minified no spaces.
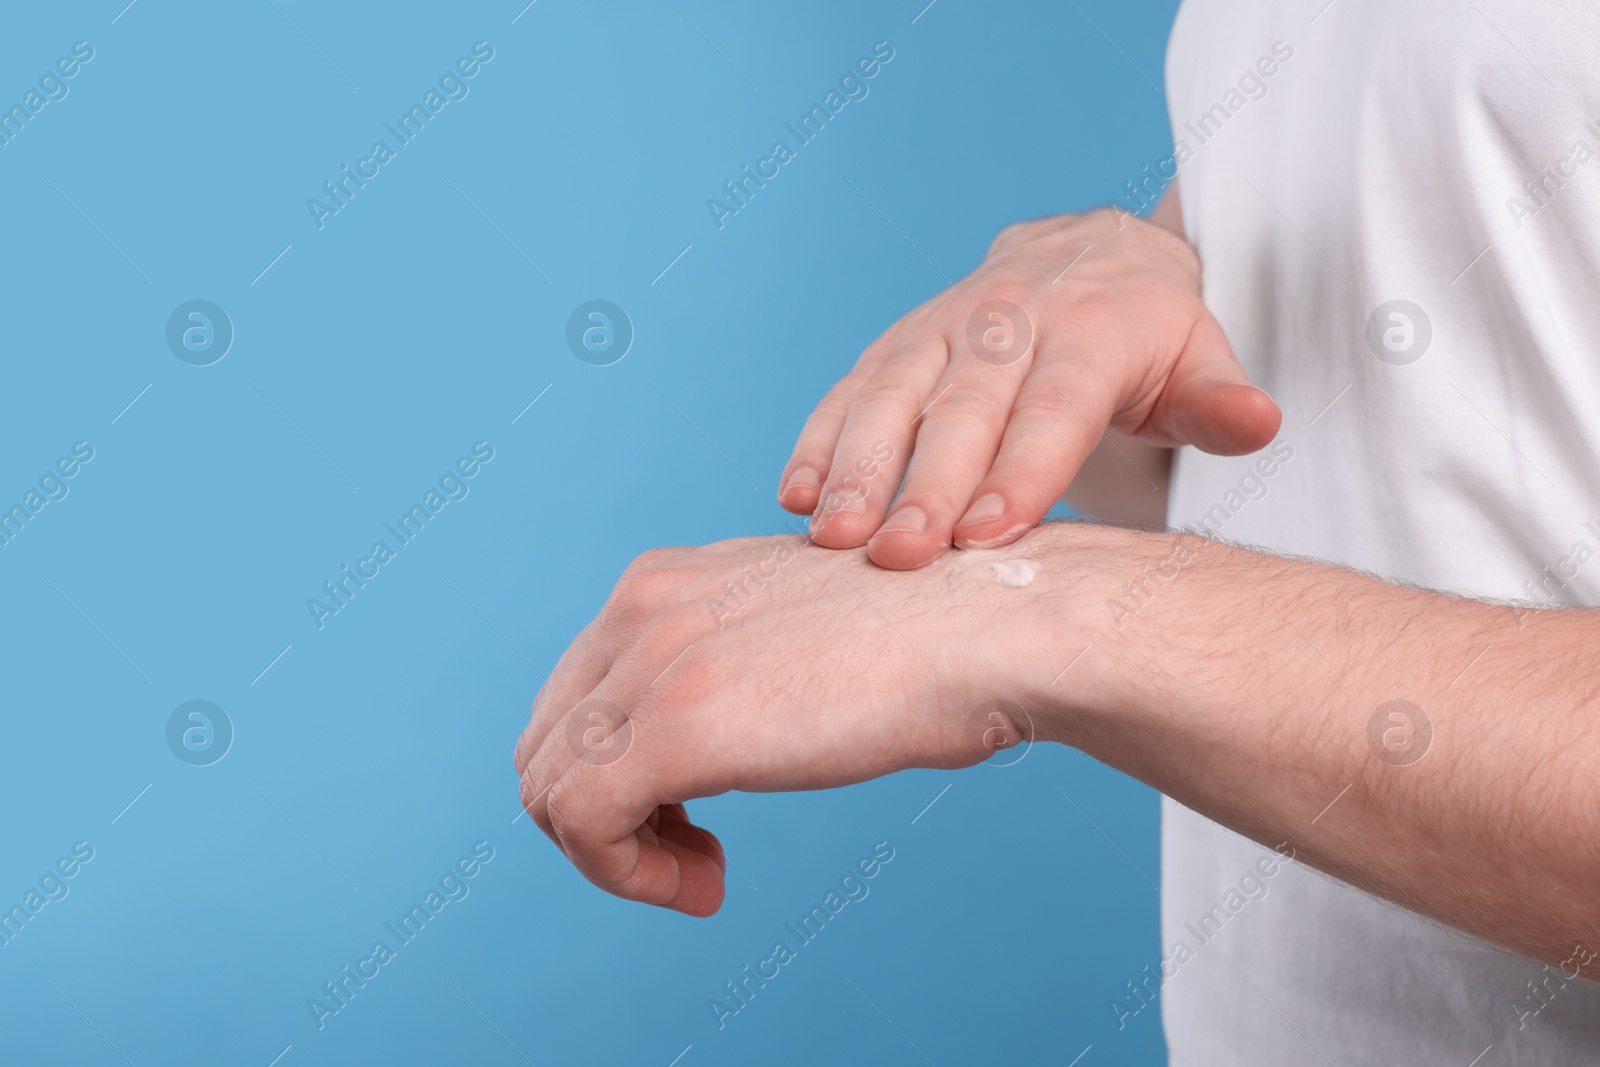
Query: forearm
{"x":1245,"y":685}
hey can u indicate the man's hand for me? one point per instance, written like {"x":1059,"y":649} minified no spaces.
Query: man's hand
{"x":987,"y":399}
{"x":1310,"y":708}
{"x":761,"y":664}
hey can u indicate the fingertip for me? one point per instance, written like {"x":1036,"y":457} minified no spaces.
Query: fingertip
{"x":702,"y":884}
{"x":991,"y":522}
{"x":674,"y":825}
{"x":801,"y":491}
{"x":1260,"y":417}
{"x":702,"y":906}
{"x":716,"y":851}
{"x":902,"y":551}
{"x":1228,"y":418}
{"x":841,"y":528}
{"x":798,"y":499}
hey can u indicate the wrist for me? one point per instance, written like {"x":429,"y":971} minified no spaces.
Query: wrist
{"x":1105,"y":627}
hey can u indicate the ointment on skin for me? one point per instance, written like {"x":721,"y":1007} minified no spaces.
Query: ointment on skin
{"x":1016,"y":573}
{"x":998,"y":564}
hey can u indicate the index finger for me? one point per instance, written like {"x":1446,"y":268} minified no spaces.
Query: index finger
{"x":580,"y":670}
{"x":605,"y":817}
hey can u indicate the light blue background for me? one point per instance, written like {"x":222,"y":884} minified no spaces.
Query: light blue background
{"x":408,"y":328}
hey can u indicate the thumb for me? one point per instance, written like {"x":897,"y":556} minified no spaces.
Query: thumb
{"x":1209,"y":403}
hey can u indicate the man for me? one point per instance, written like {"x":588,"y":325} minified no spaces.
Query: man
{"x":1398,"y":211}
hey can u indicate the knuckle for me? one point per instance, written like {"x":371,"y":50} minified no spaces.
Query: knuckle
{"x":877,"y":353}
{"x":834,"y":405}
{"x":890,"y":391}
{"x":845,"y":490}
{"x":940,"y":494}
{"x":1005,"y":291}
{"x":966,"y":401}
{"x":1043,"y":401}
{"x":546,"y":695}
{"x":651,"y":557}
{"x":645,"y":637}
{"x":623,"y":613}
{"x":1014,"y":232}
{"x":562,"y":811}
{"x":837,"y":399}
{"x":662,"y":643}
{"x":644,"y":581}
{"x":528,"y":788}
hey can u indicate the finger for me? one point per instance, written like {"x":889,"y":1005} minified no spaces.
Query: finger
{"x":1056,"y":421}
{"x":801,"y":485}
{"x":955,"y":447}
{"x":672,"y":824}
{"x":594,"y":731}
{"x":576,"y":720}
{"x":599,"y":816}
{"x":1208,"y":401}
{"x":580,"y":670}
{"x":875,"y":442}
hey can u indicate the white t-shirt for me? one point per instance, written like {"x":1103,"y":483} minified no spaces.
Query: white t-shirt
{"x":1398,"y":207}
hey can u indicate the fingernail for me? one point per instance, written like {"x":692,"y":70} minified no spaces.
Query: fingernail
{"x":986,"y":508}
{"x":907,"y":520}
{"x":802,"y":478}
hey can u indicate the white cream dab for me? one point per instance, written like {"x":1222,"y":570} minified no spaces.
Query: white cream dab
{"x":1013,"y":571}
{"x":1016,"y":573}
